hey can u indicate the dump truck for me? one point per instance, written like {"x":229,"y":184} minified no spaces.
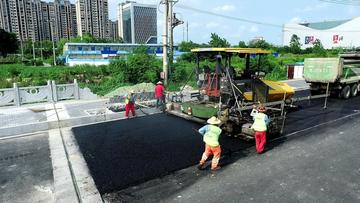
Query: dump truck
{"x":230,"y":95}
{"x":338,"y":76}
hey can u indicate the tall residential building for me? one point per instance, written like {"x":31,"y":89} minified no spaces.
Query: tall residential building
{"x":62,"y":19}
{"x":92,"y":17}
{"x":1,"y":15}
{"x":137,"y":23}
{"x":37,"y":20}
{"x":113,"y":30}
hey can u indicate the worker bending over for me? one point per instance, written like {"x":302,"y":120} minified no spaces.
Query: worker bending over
{"x":130,"y":104}
{"x":261,"y":120}
{"x":211,"y":133}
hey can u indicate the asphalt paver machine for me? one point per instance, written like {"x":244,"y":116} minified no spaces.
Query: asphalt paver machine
{"x":230,"y":95}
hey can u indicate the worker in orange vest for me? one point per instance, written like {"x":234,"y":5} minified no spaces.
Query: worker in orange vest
{"x":211,"y":133}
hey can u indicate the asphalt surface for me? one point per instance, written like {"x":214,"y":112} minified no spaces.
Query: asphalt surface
{"x":128,"y":152}
{"x":125,"y":153}
{"x":318,"y":165}
{"x":26,"y":169}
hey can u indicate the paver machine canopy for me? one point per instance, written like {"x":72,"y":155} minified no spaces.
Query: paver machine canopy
{"x":222,"y":81}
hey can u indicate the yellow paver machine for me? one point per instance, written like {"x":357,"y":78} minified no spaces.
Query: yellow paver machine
{"x":230,"y":92}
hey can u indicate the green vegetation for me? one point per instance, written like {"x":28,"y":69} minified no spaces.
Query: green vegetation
{"x":8,"y":43}
{"x":141,"y":67}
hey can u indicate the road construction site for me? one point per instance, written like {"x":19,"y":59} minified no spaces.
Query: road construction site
{"x":152,"y":158}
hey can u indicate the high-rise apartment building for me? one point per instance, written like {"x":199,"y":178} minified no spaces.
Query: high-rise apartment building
{"x":62,"y":19}
{"x":93,"y":17}
{"x":37,"y":20}
{"x":1,"y":15}
{"x":113,"y":30}
{"x":137,"y":22}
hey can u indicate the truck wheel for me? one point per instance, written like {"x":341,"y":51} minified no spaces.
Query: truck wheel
{"x":354,"y":90}
{"x":345,"y":92}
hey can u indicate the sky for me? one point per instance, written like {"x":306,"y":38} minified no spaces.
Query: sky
{"x":275,"y":12}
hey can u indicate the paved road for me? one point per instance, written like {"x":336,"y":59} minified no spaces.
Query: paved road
{"x":319,"y":165}
{"x":26,"y":169}
{"x":128,"y":152}
{"x":128,"y":147}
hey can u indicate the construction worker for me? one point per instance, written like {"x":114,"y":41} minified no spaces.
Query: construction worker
{"x":130,"y":104}
{"x":211,"y":133}
{"x":159,"y":95}
{"x":261,"y":120}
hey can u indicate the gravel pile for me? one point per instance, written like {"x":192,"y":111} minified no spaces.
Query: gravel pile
{"x":141,"y":87}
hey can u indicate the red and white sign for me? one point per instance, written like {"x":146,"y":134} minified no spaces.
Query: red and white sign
{"x":337,"y":39}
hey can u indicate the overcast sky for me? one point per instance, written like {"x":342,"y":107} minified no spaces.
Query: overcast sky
{"x":276,"y":12}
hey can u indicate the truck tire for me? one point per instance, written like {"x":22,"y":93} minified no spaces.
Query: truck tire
{"x":346,"y":92}
{"x":354,"y":90}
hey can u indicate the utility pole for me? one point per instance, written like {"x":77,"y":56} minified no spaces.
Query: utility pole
{"x":22,"y":48}
{"x":33,"y":30}
{"x":168,"y":40}
{"x":171,"y":36}
{"x":53,"y":44}
{"x":165,"y":40}
{"x":183,"y":33}
{"x":41,"y":51}
{"x":187,"y":31}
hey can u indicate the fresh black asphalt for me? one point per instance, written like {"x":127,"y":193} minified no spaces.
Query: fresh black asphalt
{"x":127,"y":152}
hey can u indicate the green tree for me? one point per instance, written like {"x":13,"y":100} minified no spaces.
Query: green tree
{"x":217,"y":41}
{"x":8,"y":43}
{"x":242,"y":44}
{"x":187,"y":46}
{"x":318,"y":48}
{"x":259,"y":43}
{"x":295,"y":45}
{"x":141,"y":67}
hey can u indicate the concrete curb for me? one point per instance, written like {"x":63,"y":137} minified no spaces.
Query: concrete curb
{"x":64,"y":190}
{"x":84,"y":181}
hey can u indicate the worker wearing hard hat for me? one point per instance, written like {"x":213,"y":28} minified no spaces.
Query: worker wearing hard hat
{"x":159,"y":95}
{"x":261,"y":120}
{"x":130,"y":104}
{"x":211,"y":133}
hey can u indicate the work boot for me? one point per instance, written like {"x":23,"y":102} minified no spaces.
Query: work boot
{"x":201,"y":166}
{"x":216,"y":168}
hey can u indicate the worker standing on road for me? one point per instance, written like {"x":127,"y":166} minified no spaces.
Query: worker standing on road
{"x":261,"y":120}
{"x":130,"y":104}
{"x":211,"y":135}
{"x":159,"y":95}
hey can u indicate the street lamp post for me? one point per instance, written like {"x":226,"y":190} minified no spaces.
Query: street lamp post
{"x":53,"y":44}
{"x":33,"y":31}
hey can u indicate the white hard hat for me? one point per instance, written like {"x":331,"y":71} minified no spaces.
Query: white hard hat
{"x":214,"y":121}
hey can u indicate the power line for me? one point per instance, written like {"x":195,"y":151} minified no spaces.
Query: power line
{"x":257,"y":22}
{"x":226,"y":16}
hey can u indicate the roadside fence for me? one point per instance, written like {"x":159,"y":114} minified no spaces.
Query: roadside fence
{"x":51,"y":92}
